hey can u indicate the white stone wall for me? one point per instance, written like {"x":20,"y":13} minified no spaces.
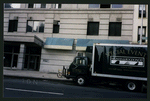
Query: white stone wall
{"x":73,"y":24}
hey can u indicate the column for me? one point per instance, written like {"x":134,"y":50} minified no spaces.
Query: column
{"x":21,"y":57}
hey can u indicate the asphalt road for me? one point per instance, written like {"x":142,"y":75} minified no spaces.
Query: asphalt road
{"x":16,"y":87}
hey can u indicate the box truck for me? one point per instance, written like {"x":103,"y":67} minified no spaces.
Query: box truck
{"x":117,"y":63}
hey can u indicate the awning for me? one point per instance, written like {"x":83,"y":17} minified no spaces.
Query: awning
{"x":83,"y":43}
{"x":58,"y":43}
{"x":24,"y":39}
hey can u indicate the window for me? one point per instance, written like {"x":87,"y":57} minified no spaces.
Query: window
{"x":35,"y":26}
{"x":13,"y":24}
{"x":31,"y":5}
{"x":143,"y":34}
{"x":140,"y":10}
{"x":115,"y":28}
{"x":93,"y":28}
{"x":105,"y":6}
{"x":11,"y":55}
{"x":12,"y":5}
{"x":93,"y":5}
{"x":116,"y":5}
{"x":57,"y":5}
{"x":56,"y":26}
{"x":80,"y":61}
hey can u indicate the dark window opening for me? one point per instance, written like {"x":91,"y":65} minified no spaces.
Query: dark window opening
{"x":105,"y":6}
{"x":30,"y":5}
{"x":13,"y":24}
{"x":56,"y":26}
{"x":140,"y":10}
{"x":143,"y":33}
{"x":59,"y":5}
{"x":43,"y":5}
{"x":93,"y":28}
{"x":115,"y":28}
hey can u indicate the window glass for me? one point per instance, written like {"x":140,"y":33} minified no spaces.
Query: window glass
{"x":115,"y":28}
{"x":36,"y":26}
{"x":143,"y":34}
{"x":105,"y":6}
{"x":140,"y":7}
{"x":12,"y":5}
{"x":56,"y":26}
{"x":41,"y":27}
{"x":7,"y":5}
{"x":93,"y":28}
{"x":116,"y":5}
{"x":93,"y":5}
{"x":30,"y":26}
{"x":80,"y":61}
{"x":13,"y":25}
{"x":30,"y":5}
{"x":37,"y":5}
{"x":43,"y":5}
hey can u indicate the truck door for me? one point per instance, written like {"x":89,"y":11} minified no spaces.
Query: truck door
{"x":80,"y":66}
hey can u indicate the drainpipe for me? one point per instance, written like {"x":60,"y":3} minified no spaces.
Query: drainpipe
{"x":141,"y":26}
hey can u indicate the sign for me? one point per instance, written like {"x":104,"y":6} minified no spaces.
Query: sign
{"x":127,"y":61}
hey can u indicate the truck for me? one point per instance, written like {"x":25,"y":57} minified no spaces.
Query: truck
{"x":123,"y":64}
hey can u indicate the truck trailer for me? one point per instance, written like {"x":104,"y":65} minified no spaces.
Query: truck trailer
{"x":118,"y":63}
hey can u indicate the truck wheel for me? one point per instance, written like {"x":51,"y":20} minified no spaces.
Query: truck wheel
{"x":81,"y":80}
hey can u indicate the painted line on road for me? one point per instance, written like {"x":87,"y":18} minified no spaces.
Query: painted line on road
{"x":34,"y":91}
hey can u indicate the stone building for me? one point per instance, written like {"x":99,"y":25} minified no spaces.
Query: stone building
{"x":44,"y":37}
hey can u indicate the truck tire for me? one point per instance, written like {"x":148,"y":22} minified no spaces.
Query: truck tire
{"x":81,"y":80}
{"x":133,"y":86}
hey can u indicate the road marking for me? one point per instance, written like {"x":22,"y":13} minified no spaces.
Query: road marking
{"x":34,"y":91}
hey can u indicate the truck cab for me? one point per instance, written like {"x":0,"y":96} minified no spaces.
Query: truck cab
{"x":78,"y":68}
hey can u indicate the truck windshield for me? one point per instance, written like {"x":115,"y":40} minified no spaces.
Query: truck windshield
{"x":80,"y":61}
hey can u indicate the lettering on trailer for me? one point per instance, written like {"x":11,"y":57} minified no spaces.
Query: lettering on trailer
{"x":129,"y":52}
{"x":127,"y":61}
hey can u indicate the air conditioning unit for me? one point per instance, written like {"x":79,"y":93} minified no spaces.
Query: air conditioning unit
{"x":16,"y":17}
{"x":118,"y":19}
{"x":29,"y":18}
{"x":90,"y":19}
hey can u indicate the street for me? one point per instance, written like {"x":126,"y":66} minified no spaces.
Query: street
{"x":17,"y":87}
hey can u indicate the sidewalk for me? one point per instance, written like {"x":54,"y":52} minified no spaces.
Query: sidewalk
{"x":32,"y":74}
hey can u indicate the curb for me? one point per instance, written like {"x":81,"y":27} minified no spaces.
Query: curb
{"x":58,"y":80}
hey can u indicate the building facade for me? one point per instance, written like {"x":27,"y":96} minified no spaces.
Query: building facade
{"x":44,"y":37}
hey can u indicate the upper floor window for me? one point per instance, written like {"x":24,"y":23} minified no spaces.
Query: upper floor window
{"x":116,"y":5}
{"x":105,"y":6}
{"x":57,"y":5}
{"x":93,"y":28}
{"x":13,"y":25}
{"x":11,"y":5}
{"x":115,"y":28}
{"x":56,"y":26}
{"x":35,"y":26}
{"x":93,"y":5}
{"x":31,"y":5}
{"x":143,"y":33}
{"x":140,"y":10}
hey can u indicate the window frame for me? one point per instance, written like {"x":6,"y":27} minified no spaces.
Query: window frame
{"x":33,"y":26}
{"x":115,"y":29}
